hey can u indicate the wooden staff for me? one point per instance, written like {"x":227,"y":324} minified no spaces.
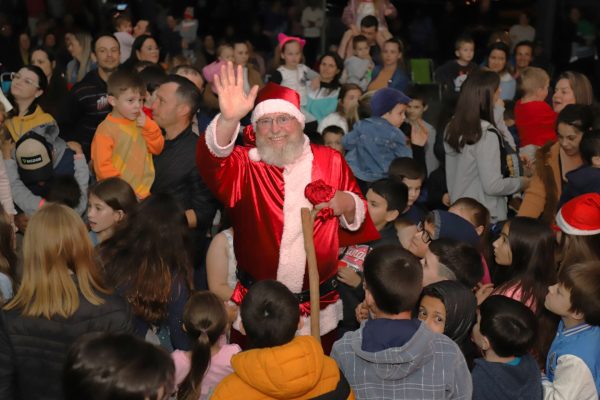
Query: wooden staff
{"x":313,"y":272}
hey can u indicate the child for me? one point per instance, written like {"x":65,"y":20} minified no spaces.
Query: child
{"x":188,"y":30}
{"x":572,"y":365}
{"x":360,"y":65}
{"x":344,"y":116}
{"x":356,"y":10}
{"x":291,"y":72}
{"x":409,"y":172}
{"x":391,"y":72}
{"x":332,"y":137}
{"x":153,"y":76}
{"x":221,"y":265}
{"x":374,"y":142}
{"x":585,"y":179}
{"x":241,"y":56}
{"x":504,"y":332}
{"x":414,"y":116}
{"x":199,"y":371}
{"x":123,"y":33}
{"x":394,"y":356}
{"x":109,"y":202}
{"x":279,"y":364}
{"x":117,"y":366}
{"x":448,"y":307}
{"x":453,"y":73}
{"x":534,"y":118}
{"x":125,"y":141}
{"x":451,"y":259}
{"x":224,"y":54}
{"x":385,"y":200}
{"x":8,"y":257}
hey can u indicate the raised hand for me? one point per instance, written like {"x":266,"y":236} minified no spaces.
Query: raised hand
{"x":233,"y":101}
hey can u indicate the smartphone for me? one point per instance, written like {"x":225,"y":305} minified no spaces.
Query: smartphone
{"x":121,"y":6}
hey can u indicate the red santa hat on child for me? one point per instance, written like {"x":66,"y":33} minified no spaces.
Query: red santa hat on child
{"x":580,"y":216}
{"x":274,"y":98}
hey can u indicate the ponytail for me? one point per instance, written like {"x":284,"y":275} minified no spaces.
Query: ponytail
{"x":205,"y":320}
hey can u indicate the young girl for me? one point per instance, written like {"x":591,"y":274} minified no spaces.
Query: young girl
{"x":242,"y":50}
{"x":291,"y":72}
{"x":199,"y":371}
{"x":448,"y":307}
{"x":475,"y":153}
{"x":221,"y":265}
{"x":527,"y":247}
{"x":391,"y":73}
{"x":224,"y":54}
{"x":356,"y":10}
{"x":8,"y":257}
{"x":109,"y":201}
{"x":344,"y":114}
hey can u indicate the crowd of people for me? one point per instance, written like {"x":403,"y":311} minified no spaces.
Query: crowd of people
{"x":151,"y":240}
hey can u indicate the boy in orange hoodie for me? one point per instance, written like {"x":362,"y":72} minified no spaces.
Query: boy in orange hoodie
{"x":280,"y":364}
{"x":125,"y":141}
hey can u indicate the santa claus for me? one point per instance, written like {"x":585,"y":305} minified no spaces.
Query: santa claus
{"x":263,"y":189}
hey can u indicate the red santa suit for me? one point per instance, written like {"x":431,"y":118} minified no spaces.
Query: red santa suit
{"x":264,"y":203}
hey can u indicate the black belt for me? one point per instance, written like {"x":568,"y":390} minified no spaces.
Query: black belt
{"x":326,"y":287}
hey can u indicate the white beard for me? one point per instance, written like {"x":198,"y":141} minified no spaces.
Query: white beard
{"x":280,"y":157}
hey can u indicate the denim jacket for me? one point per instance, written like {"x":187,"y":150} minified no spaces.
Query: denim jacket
{"x":371,"y":146}
{"x":400,"y":80}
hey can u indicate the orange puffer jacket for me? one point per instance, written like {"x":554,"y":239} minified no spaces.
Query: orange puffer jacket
{"x":297,"y":370}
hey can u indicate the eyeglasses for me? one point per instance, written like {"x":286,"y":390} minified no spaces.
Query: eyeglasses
{"x":281,"y":120}
{"x":15,"y":76}
{"x":425,"y":236}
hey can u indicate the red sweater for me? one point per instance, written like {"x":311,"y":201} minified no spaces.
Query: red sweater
{"x":535,"y":123}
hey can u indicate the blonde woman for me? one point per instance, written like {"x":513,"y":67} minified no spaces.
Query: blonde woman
{"x":79,"y":46}
{"x":61,"y":297}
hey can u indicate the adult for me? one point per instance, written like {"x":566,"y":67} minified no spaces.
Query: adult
{"x":28,"y":85}
{"x":390,"y":73}
{"x":57,"y":85}
{"x":265,"y":186}
{"x":322,"y":96}
{"x":144,"y":48}
{"x":554,"y":161}
{"x":61,"y":297}
{"x":523,"y":54}
{"x":572,"y":88}
{"x":80,"y":47}
{"x":475,"y":152}
{"x":174,"y":109}
{"x":87,"y":103}
{"x":521,"y":32}
{"x":24,"y":48}
{"x":497,"y":61}
{"x":369,"y":28}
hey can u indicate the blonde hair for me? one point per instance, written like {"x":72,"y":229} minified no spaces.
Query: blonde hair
{"x":533,"y":78}
{"x":56,"y":245}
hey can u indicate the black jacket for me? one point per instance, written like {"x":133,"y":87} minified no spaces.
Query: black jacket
{"x":33,"y":350}
{"x":176,"y":174}
{"x":83,"y":110}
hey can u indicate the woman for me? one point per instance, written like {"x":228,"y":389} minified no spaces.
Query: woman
{"x":24,"y":47}
{"x":391,"y":73}
{"x":27,"y":86}
{"x":526,"y":247}
{"x":322,"y":96}
{"x":61,"y":297}
{"x":475,"y":151}
{"x":572,"y":88}
{"x":555,"y":160}
{"x":57,"y":85}
{"x":497,"y":61}
{"x":147,"y":260}
{"x":144,"y":48}
{"x":79,"y":46}
{"x":344,"y":115}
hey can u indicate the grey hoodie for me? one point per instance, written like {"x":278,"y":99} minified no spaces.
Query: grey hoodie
{"x":428,"y":366}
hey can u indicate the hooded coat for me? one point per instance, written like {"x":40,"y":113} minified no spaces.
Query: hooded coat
{"x":499,"y":381}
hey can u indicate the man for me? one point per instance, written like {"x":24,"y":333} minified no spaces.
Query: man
{"x":523,"y":56}
{"x":87,"y":103}
{"x":263,"y":189}
{"x":175,"y":171}
{"x":369,"y":28}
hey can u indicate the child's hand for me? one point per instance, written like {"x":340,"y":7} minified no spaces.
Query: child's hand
{"x":483,"y":292}
{"x":76,"y":147}
{"x":355,"y":30}
{"x":141,"y":119}
{"x":349,"y":276}
{"x":361,"y":312}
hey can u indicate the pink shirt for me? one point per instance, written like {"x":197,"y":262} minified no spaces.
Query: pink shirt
{"x":219,"y":368}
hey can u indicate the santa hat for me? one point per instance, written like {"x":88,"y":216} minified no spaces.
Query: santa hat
{"x":580,"y":216}
{"x":274,"y":98}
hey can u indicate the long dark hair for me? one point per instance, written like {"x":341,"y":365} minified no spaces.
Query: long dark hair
{"x":475,"y":103}
{"x":339,"y":63}
{"x":133,"y":59}
{"x":147,"y":254}
{"x":43,"y":86}
{"x":205,"y":320}
{"x":533,"y":270}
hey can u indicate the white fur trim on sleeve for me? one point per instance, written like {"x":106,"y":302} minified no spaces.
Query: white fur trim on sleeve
{"x":211,"y":140}
{"x":359,"y":214}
